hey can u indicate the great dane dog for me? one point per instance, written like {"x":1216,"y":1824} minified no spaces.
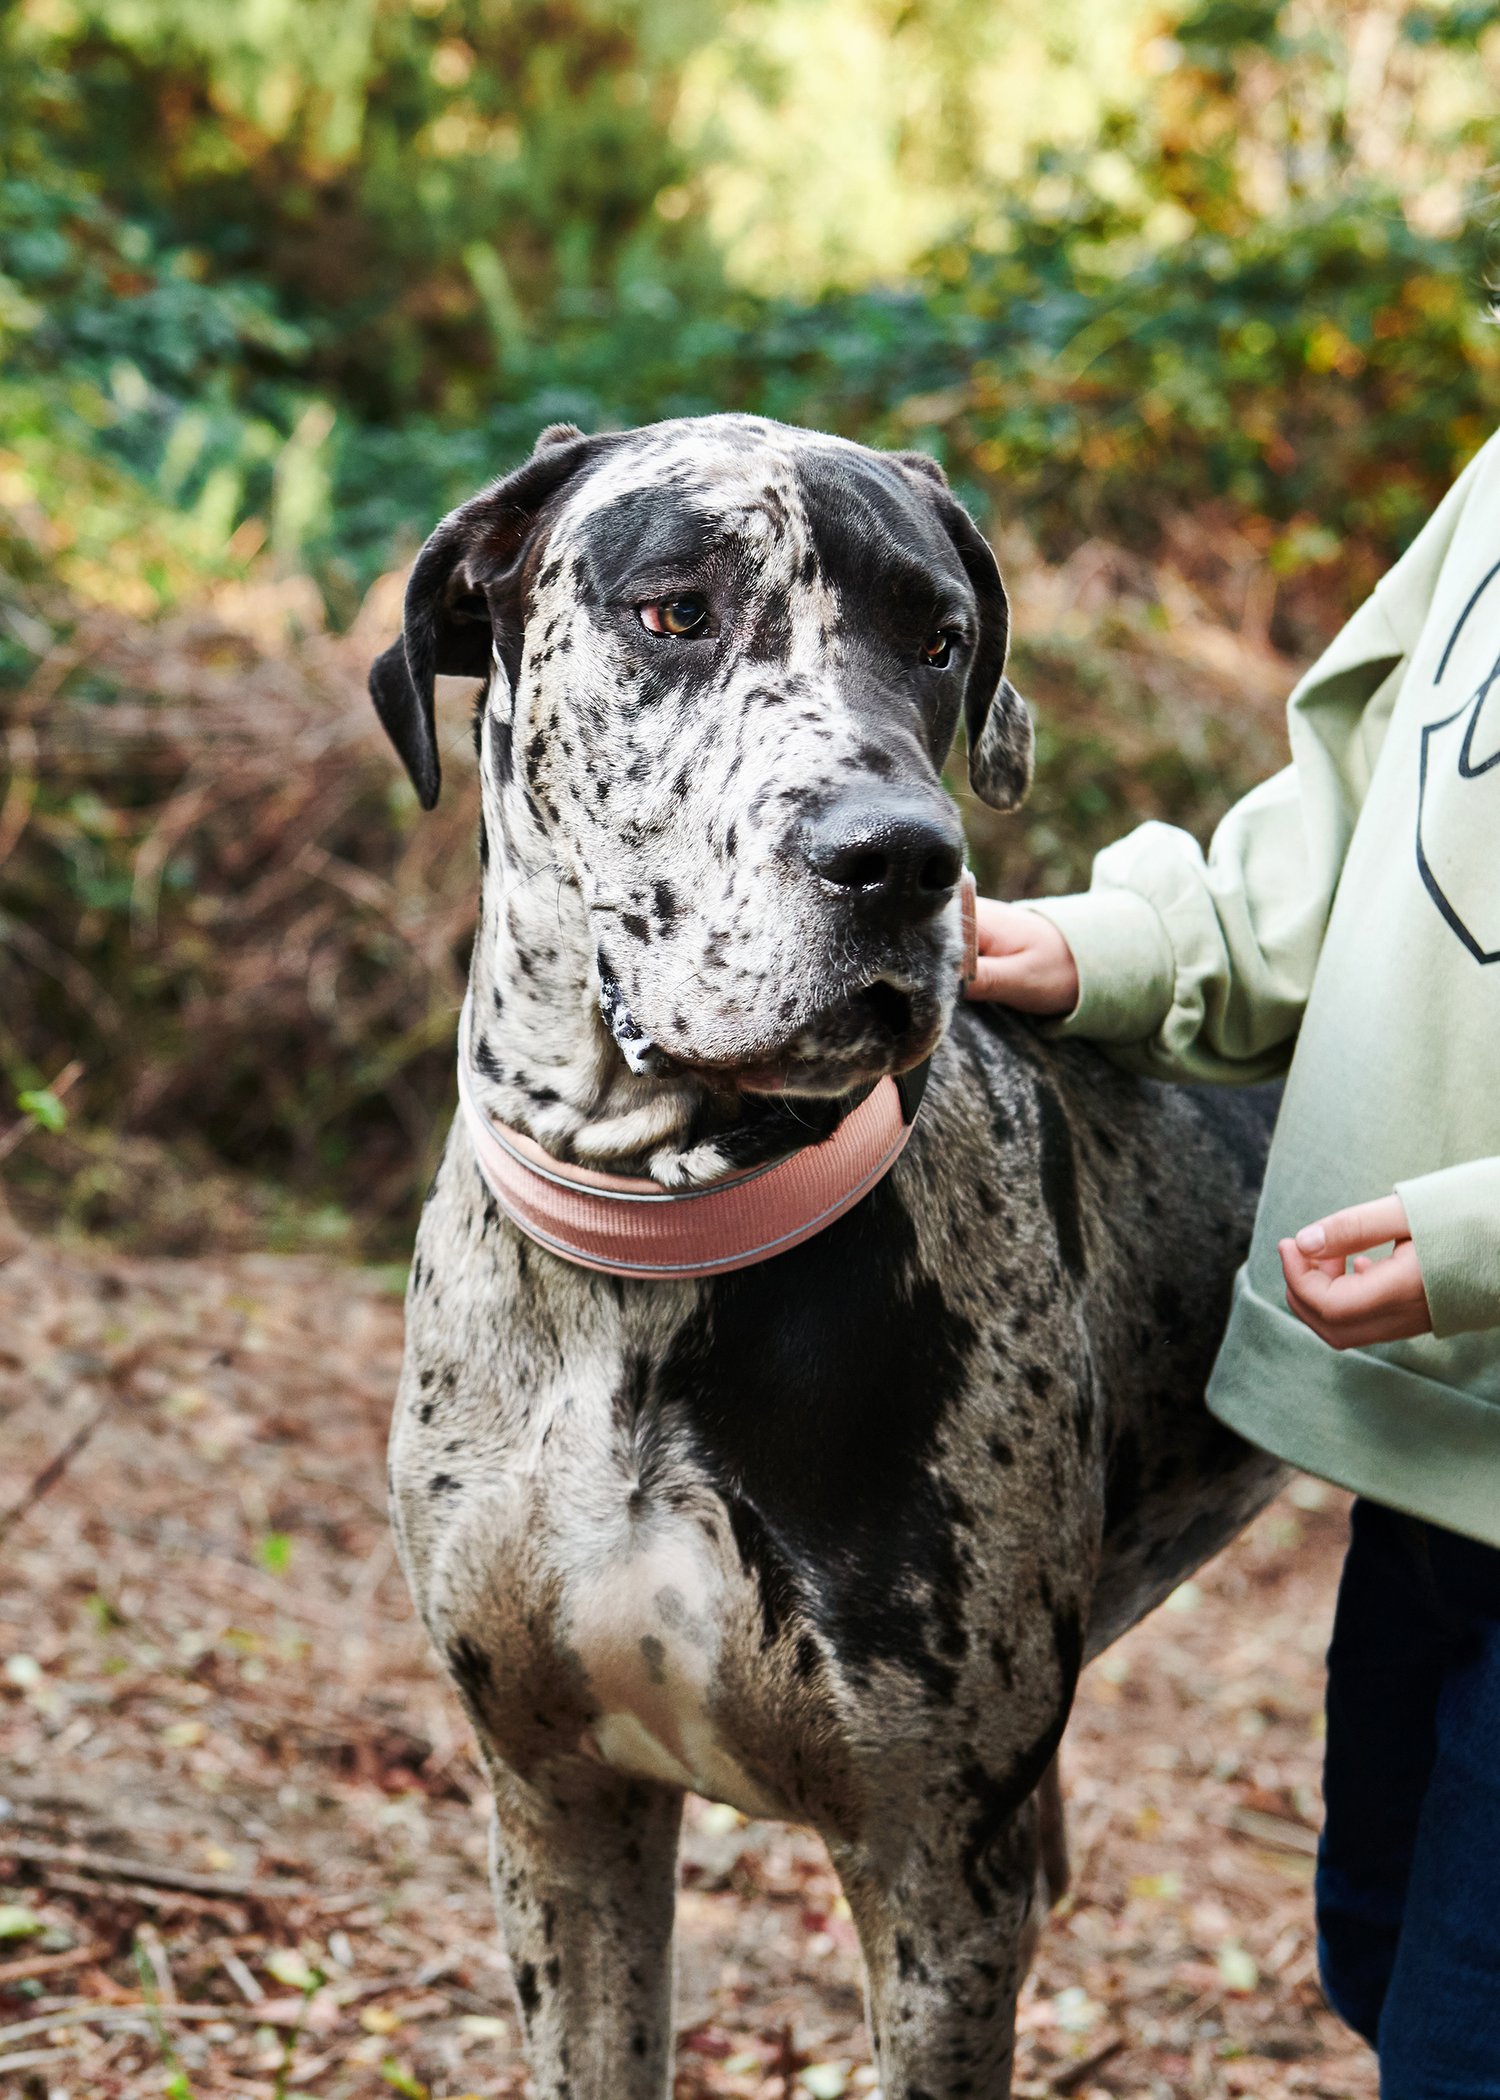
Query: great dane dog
{"x":828,"y":1538}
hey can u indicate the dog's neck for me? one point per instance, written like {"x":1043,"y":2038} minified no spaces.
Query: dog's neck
{"x":542,"y":1057}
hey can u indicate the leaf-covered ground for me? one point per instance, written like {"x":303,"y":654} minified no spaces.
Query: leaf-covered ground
{"x":242,"y":1832}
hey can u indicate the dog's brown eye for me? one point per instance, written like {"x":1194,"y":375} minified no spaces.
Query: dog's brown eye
{"x":937,"y":650}
{"x":675,"y":616}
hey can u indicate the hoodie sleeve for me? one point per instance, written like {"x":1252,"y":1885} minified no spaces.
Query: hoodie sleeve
{"x":1454,"y":1217}
{"x":1197,"y":965}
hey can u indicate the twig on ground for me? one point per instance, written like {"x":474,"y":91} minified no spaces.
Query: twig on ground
{"x":29,"y":2059}
{"x":1069,"y":2080}
{"x":53,"y":1471}
{"x":242,"y":1977}
{"x":50,"y":1964}
{"x":225,"y":1909}
{"x":109,"y":1866}
{"x":279,"y":2012}
{"x":1279,"y":1832}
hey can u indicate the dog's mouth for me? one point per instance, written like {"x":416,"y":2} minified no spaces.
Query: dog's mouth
{"x":883,"y":1027}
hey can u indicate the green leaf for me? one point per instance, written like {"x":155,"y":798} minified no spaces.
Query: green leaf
{"x":1237,"y":1968}
{"x":396,"y":2075}
{"x":43,"y":1106}
{"x":289,"y":1965}
{"x":17,"y":1922}
{"x":275,"y":1552}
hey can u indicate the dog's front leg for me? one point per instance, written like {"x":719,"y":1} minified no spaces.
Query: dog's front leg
{"x":585,"y":1874}
{"x":947,"y":1940}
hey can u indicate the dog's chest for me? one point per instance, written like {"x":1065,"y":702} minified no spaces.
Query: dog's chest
{"x":558,"y":1524}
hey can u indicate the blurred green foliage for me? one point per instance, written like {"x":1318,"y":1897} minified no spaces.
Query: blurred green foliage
{"x":305,"y":271}
{"x":280,"y":282}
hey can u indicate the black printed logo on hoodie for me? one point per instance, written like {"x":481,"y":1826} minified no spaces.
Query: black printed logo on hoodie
{"x":1458,"y":814}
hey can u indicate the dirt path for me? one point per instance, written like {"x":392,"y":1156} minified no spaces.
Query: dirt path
{"x":231,"y":1782}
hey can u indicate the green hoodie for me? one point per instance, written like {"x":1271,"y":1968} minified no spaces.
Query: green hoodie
{"x":1345,"y":928}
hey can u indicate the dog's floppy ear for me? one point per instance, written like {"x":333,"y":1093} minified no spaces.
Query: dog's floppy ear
{"x":924,"y":464}
{"x":997,"y":724}
{"x":462,"y":604}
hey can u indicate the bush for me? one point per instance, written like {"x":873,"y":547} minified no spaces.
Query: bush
{"x":279,"y":286}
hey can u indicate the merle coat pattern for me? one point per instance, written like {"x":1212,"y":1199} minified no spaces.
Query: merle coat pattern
{"x":829,"y":1538}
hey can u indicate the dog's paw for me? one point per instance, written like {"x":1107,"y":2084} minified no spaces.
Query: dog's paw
{"x":694,"y":1168}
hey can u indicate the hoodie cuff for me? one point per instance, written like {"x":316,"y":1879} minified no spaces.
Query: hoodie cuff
{"x":1454,"y":1217}
{"x":1126,"y":969}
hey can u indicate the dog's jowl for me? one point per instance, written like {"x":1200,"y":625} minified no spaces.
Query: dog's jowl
{"x":826,"y":1535}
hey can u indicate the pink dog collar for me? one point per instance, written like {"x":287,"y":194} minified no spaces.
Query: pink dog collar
{"x":626,"y":1226}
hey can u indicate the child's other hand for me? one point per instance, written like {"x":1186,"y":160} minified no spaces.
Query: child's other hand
{"x":1375,"y":1301}
{"x":1024,"y":961}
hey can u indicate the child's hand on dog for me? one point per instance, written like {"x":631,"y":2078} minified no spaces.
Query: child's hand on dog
{"x":1024,"y":961}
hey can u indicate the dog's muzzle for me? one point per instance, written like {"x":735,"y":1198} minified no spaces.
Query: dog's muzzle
{"x":625,"y":1226}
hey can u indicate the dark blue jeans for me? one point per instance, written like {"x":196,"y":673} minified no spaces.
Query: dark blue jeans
{"x":1408,"y":1884}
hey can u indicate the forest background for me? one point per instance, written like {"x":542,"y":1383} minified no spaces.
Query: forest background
{"x":1192,"y":301}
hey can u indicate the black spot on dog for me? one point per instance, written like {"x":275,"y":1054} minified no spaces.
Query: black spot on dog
{"x":763,"y":1560}
{"x":989,"y":1016}
{"x":502,"y":764}
{"x":770,"y":637}
{"x":632,"y":1392}
{"x":1003,"y":1660}
{"x":814,"y":1386}
{"x":471,"y":1670}
{"x":649,"y":530}
{"x":994,"y":1853}
{"x":874,"y":760}
{"x":526,"y":1989}
{"x":1059,"y":1178}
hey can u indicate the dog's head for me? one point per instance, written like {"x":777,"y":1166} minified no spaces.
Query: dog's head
{"x":727,"y":659}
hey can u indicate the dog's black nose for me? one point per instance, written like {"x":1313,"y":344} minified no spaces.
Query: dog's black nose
{"x":891,"y":852}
